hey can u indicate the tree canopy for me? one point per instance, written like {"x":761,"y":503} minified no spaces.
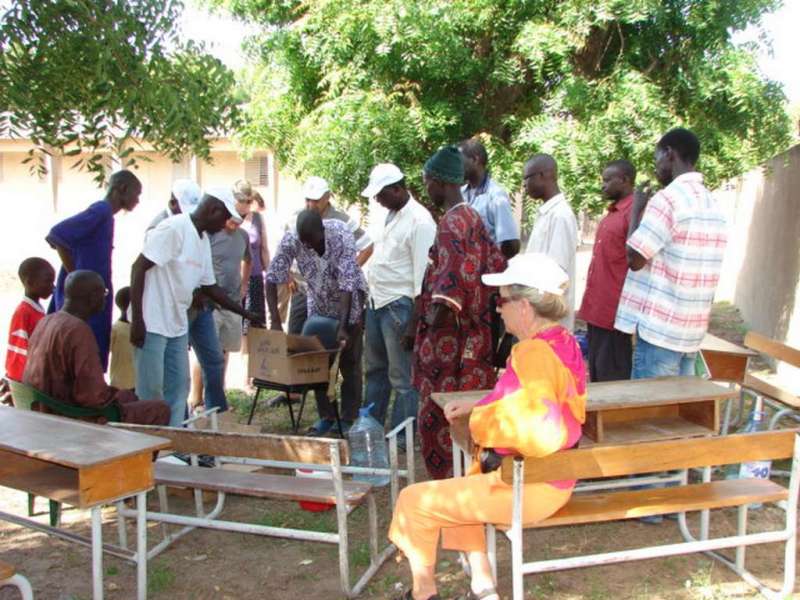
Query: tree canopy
{"x":340,"y":85}
{"x":87,"y":76}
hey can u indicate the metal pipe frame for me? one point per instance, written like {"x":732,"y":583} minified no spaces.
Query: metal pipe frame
{"x":343,"y":510}
{"x":96,"y":545}
{"x":691,"y":545}
{"x":21,"y":583}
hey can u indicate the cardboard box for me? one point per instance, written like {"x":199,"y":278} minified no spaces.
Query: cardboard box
{"x":287,"y":359}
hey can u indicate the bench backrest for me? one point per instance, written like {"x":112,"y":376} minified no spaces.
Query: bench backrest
{"x":772,"y":348}
{"x":651,"y":457}
{"x":264,"y":446}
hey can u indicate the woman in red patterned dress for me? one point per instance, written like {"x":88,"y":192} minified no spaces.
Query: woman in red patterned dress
{"x":453,"y":346}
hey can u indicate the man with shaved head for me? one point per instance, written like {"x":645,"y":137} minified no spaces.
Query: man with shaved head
{"x":325,"y":251}
{"x":555,"y":231}
{"x":64,"y":363}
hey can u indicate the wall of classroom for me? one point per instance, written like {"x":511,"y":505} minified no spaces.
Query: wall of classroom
{"x":761,"y":271}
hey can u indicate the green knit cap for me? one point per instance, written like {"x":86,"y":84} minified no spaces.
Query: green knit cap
{"x":446,"y":165}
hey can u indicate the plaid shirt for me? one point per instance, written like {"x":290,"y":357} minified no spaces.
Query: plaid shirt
{"x":682,"y":236}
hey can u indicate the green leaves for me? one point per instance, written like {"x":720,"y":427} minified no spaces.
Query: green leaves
{"x":343,"y":84}
{"x":80,"y":76}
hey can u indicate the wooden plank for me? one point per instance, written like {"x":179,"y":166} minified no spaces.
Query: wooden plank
{"x":629,"y":393}
{"x":6,"y":571}
{"x":593,"y":427}
{"x":726,"y":367}
{"x":611,"y":506}
{"x":655,"y":392}
{"x":292,"y":448}
{"x":39,"y":477}
{"x":773,"y":386}
{"x":624,"y":415}
{"x":772,"y":348}
{"x":650,"y":457}
{"x":69,"y":442}
{"x":704,"y":414}
{"x":110,"y":481}
{"x":712,"y":343}
{"x":648,"y":430}
{"x":259,"y":485}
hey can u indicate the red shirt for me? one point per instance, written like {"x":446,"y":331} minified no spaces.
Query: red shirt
{"x":608,"y":267}
{"x":25,"y":318}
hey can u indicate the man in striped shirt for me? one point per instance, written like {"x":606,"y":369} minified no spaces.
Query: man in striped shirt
{"x":675,"y":248}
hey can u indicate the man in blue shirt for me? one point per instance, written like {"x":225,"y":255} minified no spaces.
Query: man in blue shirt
{"x":491,"y":201}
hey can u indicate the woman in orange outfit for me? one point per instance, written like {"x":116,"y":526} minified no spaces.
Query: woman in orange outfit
{"x":536,"y":409}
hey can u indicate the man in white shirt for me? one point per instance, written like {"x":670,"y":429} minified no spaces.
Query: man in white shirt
{"x":176,"y":259}
{"x":395,"y":280}
{"x":555,"y":231}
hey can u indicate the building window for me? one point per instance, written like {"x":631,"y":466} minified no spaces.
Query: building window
{"x":256,"y":170}
{"x":182,"y":169}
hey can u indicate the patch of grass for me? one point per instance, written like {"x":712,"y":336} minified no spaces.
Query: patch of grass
{"x":543,"y":586}
{"x":159,"y":579}
{"x":112,"y":571}
{"x":597,"y":591}
{"x":324,"y":522}
{"x":360,"y":555}
{"x":700,"y":587}
{"x":383,"y":586}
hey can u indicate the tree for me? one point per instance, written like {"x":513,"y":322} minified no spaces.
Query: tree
{"x":89,"y":76}
{"x":343,"y":84}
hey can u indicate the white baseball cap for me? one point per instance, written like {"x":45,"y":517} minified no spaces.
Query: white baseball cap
{"x":534,"y":270}
{"x":315,"y":188}
{"x":225,"y":195}
{"x":187,"y":193}
{"x":382,"y":175}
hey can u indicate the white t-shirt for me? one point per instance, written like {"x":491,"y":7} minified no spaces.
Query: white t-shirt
{"x":182,"y":264}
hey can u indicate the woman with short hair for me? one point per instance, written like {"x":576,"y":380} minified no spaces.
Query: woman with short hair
{"x":535,"y":409}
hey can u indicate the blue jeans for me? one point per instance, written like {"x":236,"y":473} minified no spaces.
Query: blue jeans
{"x":162,"y":373}
{"x":203,"y":340}
{"x":388,"y":364}
{"x":650,"y":360}
{"x":349,"y":366}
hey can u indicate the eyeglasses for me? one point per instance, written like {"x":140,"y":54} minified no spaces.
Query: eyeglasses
{"x":503,"y":300}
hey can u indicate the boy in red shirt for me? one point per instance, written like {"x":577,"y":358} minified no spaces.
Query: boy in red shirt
{"x":38,"y":277}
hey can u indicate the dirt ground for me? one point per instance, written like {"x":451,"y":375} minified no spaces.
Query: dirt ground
{"x":208,"y":564}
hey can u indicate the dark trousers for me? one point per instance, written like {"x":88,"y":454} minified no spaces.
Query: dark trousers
{"x":349,"y":365}
{"x":610,"y":354}
{"x":298,"y":313}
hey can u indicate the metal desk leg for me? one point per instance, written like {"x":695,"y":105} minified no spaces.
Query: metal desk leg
{"x":253,"y":407}
{"x":296,"y":424}
{"x":97,"y":553}
{"x":141,"y":546}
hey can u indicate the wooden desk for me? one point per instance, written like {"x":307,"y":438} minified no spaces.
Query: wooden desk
{"x":726,"y":361}
{"x":79,"y":464}
{"x":619,"y":412}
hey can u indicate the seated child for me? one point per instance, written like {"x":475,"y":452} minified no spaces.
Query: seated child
{"x":38,"y":278}
{"x":121,"y":370}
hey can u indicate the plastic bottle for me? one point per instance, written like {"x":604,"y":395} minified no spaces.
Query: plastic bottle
{"x":368,"y":447}
{"x":758,"y":469}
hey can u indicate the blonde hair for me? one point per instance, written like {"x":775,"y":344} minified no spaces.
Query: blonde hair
{"x":545,"y":304}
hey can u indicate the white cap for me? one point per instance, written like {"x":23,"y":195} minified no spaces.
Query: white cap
{"x":382,"y":175}
{"x":225,"y":195}
{"x":534,"y":270}
{"x":315,"y":188}
{"x":187,"y":193}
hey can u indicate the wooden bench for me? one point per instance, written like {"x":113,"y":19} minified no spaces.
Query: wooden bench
{"x":288,"y":452}
{"x":617,"y":461}
{"x":9,"y":576}
{"x":773,"y":388}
